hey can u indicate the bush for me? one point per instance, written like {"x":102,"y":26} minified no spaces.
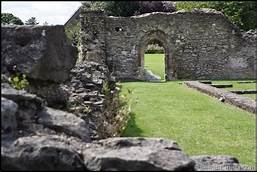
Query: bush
{"x":154,"y":49}
{"x":130,"y":8}
{"x":19,"y":81}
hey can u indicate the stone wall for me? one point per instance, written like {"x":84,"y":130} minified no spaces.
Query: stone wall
{"x":201,"y":44}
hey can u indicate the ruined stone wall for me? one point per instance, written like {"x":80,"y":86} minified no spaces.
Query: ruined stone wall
{"x":198,"y":44}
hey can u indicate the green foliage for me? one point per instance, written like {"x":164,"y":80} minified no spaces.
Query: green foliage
{"x":19,"y":81}
{"x":105,"y":89}
{"x":73,"y":33}
{"x":8,"y":18}
{"x":241,"y":13}
{"x":190,"y":5}
{"x":129,"y":8}
{"x":154,"y":49}
{"x":31,"y":21}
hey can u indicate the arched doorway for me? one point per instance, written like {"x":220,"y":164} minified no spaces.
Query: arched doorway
{"x":160,"y":38}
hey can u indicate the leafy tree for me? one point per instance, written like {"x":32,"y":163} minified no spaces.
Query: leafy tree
{"x":8,"y":18}
{"x":241,"y":13}
{"x":31,"y":21}
{"x":129,"y":8}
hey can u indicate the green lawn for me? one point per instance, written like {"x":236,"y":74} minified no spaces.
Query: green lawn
{"x":199,"y":123}
{"x":237,"y":86}
{"x":155,"y":63}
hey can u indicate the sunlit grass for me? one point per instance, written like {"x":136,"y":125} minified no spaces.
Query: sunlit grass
{"x":155,"y":63}
{"x":199,"y":123}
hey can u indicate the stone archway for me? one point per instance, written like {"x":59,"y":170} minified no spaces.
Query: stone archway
{"x":161,"y":37}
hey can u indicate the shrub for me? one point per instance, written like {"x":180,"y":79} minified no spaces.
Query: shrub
{"x":154,"y":49}
{"x":19,"y":81}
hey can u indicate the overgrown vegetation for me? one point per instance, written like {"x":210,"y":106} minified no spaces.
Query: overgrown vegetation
{"x":241,"y":13}
{"x":129,"y":8}
{"x":73,"y":33}
{"x":119,"y":107}
{"x":8,"y":18}
{"x":19,"y":81}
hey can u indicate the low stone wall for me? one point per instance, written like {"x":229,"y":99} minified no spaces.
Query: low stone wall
{"x":228,"y":97}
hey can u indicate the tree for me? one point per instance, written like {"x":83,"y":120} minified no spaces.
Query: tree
{"x":45,"y":23}
{"x":31,"y":21}
{"x":8,"y":18}
{"x":130,"y":8}
{"x":241,"y":13}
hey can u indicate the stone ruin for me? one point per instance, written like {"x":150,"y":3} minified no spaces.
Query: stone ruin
{"x":63,"y":120}
{"x":201,"y":44}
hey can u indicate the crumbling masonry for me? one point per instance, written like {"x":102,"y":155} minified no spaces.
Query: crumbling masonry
{"x":202,"y":44}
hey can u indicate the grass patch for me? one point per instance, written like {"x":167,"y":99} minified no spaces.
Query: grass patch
{"x":238,"y":86}
{"x":199,"y":123}
{"x":155,"y":63}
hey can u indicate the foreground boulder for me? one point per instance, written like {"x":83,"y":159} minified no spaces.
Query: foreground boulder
{"x":24,"y":114}
{"x":40,"y":52}
{"x":134,"y":154}
{"x":41,"y":153}
{"x":218,"y":163}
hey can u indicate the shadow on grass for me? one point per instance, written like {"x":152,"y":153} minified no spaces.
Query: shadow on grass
{"x":132,"y":130}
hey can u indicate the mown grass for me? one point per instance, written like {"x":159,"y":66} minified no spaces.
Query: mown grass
{"x":155,"y":63}
{"x":199,"y":123}
{"x":238,"y":86}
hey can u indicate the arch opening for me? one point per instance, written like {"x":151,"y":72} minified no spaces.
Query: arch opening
{"x":154,"y":57}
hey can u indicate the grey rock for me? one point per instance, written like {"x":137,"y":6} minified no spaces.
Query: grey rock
{"x":56,"y":95}
{"x":219,"y":163}
{"x":64,"y":122}
{"x":40,"y":52}
{"x":133,"y":154}
{"x":42,"y":153}
{"x":148,"y":75}
{"x":8,"y":118}
{"x":20,"y":95}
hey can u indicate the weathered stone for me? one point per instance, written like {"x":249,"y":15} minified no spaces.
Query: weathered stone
{"x":135,"y":154}
{"x":148,"y":75}
{"x":20,"y":95}
{"x":211,"y":48}
{"x":8,"y":118}
{"x":225,"y":96}
{"x":42,"y":153}
{"x":64,"y":122}
{"x":219,"y":163}
{"x":56,"y":95}
{"x":40,"y":52}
